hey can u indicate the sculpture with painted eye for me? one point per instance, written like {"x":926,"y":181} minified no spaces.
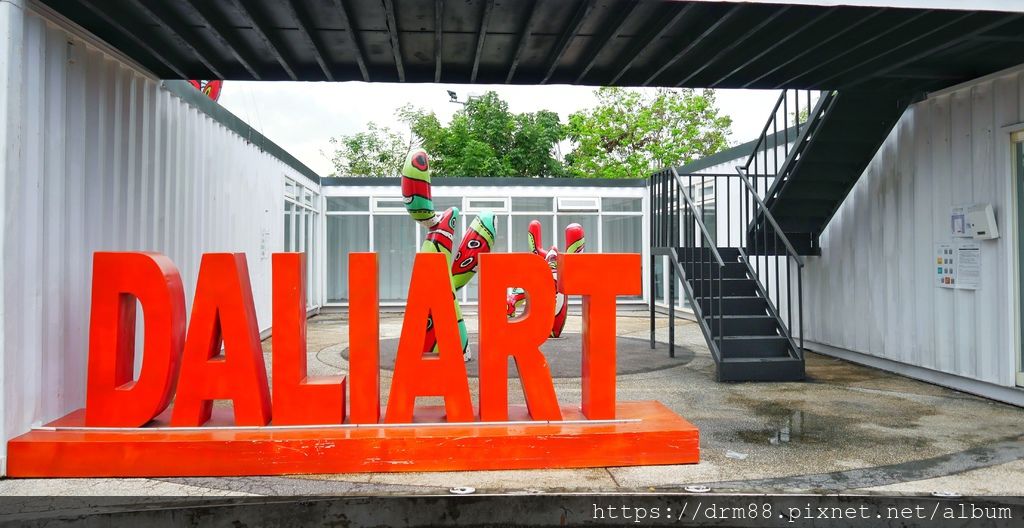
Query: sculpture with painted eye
{"x":479,"y":239}
{"x":210,"y":88}
{"x":516,"y":302}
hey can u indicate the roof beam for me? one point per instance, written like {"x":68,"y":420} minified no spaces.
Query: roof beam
{"x":184,"y":35}
{"x":353,"y":40}
{"x":389,"y":13}
{"x":223,"y":33}
{"x":735,"y":43}
{"x":891,"y":49}
{"x":640,"y":47}
{"x":524,"y":35}
{"x":834,"y":36}
{"x":733,"y":11}
{"x":438,"y":34}
{"x":613,"y":29}
{"x":959,"y":36}
{"x":582,"y":12}
{"x":305,"y":25}
{"x":260,"y":27}
{"x":778,"y":42}
{"x":112,"y":22}
{"x":858,"y":46}
{"x":485,"y":19}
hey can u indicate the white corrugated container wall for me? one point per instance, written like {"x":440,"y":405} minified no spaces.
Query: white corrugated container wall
{"x":112,"y":161}
{"x":873,"y":289}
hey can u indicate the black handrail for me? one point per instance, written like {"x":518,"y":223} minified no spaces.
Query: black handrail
{"x":756,"y":248}
{"x":763,"y":172}
{"x":678,"y":231}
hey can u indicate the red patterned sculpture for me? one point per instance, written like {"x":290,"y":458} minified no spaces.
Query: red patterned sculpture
{"x":210,"y":88}
{"x":515,"y":302}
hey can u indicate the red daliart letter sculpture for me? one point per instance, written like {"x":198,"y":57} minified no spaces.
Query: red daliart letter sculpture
{"x":599,"y":278}
{"x":222,"y":311}
{"x":521,"y":337}
{"x":419,"y":374}
{"x":363,"y":339}
{"x":297,"y":398}
{"x":113,"y":398}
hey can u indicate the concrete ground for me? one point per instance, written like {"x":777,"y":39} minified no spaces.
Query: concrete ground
{"x":846,"y":429}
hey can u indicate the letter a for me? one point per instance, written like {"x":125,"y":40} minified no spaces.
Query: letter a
{"x":419,"y":374}
{"x":222,"y":311}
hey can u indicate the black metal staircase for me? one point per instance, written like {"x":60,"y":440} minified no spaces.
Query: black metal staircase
{"x":804,"y":182}
{"x":743,"y":278}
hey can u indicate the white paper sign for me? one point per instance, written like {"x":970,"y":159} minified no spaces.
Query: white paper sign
{"x":958,"y":222}
{"x":968,"y":266}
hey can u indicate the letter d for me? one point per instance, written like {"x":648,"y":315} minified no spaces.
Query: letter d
{"x":113,"y":397}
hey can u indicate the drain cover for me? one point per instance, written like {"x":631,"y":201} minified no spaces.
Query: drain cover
{"x":697,"y":489}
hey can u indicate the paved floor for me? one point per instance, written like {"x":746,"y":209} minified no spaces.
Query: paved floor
{"x":847,"y":428}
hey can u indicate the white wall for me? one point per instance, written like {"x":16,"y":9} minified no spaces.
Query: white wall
{"x":109,"y":160}
{"x":872,"y":289}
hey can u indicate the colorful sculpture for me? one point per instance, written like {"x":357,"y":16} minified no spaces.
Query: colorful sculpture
{"x":440,"y":237}
{"x":210,"y":88}
{"x":574,"y":243}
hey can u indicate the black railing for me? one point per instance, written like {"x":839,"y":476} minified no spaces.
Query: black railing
{"x":678,"y":231}
{"x":783,"y":136}
{"x":771,"y":258}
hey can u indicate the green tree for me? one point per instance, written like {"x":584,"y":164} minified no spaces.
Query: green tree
{"x":630,"y":133}
{"x":484,"y":138}
{"x":377,"y":151}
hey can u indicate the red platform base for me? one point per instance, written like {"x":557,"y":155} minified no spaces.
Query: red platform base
{"x":648,"y":434}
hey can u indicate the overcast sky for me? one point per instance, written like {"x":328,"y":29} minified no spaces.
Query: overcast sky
{"x":301,"y":117}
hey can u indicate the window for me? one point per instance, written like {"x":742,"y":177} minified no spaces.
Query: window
{"x":394,"y":240}
{"x":477,"y":205}
{"x":345,"y":234}
{"x":621,"y":204}
{"x":347,"y":203}
{"x":443,"y":203}
{"x":388,"y":204}
{"x":577,"y":204}
{"x":532,"y":203}
{"x":1018,"y":156}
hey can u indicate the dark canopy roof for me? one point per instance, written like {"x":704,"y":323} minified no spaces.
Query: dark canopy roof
{"x":590,"y":42}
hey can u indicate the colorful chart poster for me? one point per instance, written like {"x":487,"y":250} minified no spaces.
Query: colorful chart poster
{"x":945,"y":266}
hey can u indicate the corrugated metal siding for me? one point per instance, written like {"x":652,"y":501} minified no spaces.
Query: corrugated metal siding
{"x":111,"y":161}
{"x":872,"y":290}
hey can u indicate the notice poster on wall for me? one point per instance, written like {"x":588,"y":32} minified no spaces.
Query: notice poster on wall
{"x":958,"y":266}
{"x":958,"y":222}
{"x":945,"y":266}
{"x":968,"y":266}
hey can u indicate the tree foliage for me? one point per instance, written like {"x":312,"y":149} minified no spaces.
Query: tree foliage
{"x":484,"y":138}
{"x":377,"y":151}
{"x":629,"y":133}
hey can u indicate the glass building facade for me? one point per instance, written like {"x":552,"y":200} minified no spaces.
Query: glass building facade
{"x":373,"y":218}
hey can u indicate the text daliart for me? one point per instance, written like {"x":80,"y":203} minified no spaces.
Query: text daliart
{"x":219,"y":356}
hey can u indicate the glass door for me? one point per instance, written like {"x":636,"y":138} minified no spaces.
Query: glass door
{"x":1018,"y":162}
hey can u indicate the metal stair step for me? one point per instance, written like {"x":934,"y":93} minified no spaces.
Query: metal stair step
{"x":711,"y":287}
{"x":735,"y":305}
{"x":755,"y":347}
{"x":743,"y":325}
{"x":761,"y":369}
{"x":732,"y":270}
